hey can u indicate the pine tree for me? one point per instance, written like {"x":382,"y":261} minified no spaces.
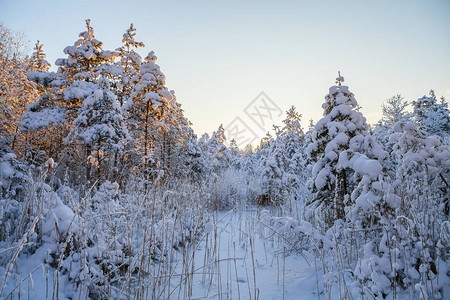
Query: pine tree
{"x":292,"y":123}
{"x":149,"y":101}
{"x":194,"y":165}
{"x":16,"y":91}
{"x":129,"y":63}
{"x":292,"y":135}
{"x":292,"y":138}
{"x":308,"y":138}
{"x":272,"y":174}
{"x":85,"y":57}
{"x":219,"y":135}
{"x":218,"y":152}
{"x":63,"y":93}
{"x":37,"y":60}
{"x":421,"y":158}
{"x":171,"y":131}
{"x":13,"y":174}
{"x":100,"y":126}
{"x":342,"y":131}
{"x":75,"y":80}
{"x":394,"y":111}
{"x":401,"y":229}
{"x":432,"y":116}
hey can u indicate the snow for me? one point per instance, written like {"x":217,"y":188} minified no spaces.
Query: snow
{"x":366,"y":166}
{"x":321,"y":179}
{"x":79,"y":90}
{"x":341,"y":211}
{"x":229,"y":270}
{"x":7,"y":171}
{"x":49,"y":163}
{"x":58,"y":221}
{"x":35,"y":120}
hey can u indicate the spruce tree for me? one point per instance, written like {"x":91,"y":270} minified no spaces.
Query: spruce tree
{"x":342,"y":131}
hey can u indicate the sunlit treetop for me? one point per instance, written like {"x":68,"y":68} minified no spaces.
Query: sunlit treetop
{"x":38,"y":61}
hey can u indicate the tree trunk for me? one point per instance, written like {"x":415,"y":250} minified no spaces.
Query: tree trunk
{"x":146,"y":128}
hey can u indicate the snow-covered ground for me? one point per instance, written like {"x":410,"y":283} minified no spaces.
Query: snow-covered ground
{"x":235,"y":260}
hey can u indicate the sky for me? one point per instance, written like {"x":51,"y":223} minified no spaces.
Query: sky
{"x":218,"y":56}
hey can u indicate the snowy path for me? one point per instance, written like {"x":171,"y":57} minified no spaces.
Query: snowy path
{"x":233,"y":261}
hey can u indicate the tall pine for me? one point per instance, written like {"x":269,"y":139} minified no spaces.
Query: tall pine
{"x":342,"y":131}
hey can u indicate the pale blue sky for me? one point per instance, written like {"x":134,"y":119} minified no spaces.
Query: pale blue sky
{"x":219,"y":55}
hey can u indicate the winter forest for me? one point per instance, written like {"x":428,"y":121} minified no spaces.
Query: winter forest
{"x":107,"y":192}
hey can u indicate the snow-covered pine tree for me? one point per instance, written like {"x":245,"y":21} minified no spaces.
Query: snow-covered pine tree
{"x":16,"y":91}
{"x":405,"y":247}
{"x":99,"y":126}
{"x":272,"y":174}
{"x":423,"y":160}
{"x":149,"y":101}
{"x":219,"y":135}
{"x":170,"y":132}
{"x":433,"y":116}
{"x":14,"y":187}
{"x":307,"y":140}
{"x":219,"y":153}
{"x":85,"y":57}
{"x":38,"y":62}
{"x":374,"y":228}
{"x":309,"y":133}
{"x":235,"y":154}
{"x":291,"y":138}
{"x":249,"y":162}
{"x":194,"y":165}
{"x":263,"y":149}
{"x":343,"y":129}
{"x":64,"y":92}
{"x":393,"y":110}
{"x":368,"y":220}
{"x":282,"y":161}
{"x":129,"y":63}
{"x":13,"y":174}
{"x":292,"y":123}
